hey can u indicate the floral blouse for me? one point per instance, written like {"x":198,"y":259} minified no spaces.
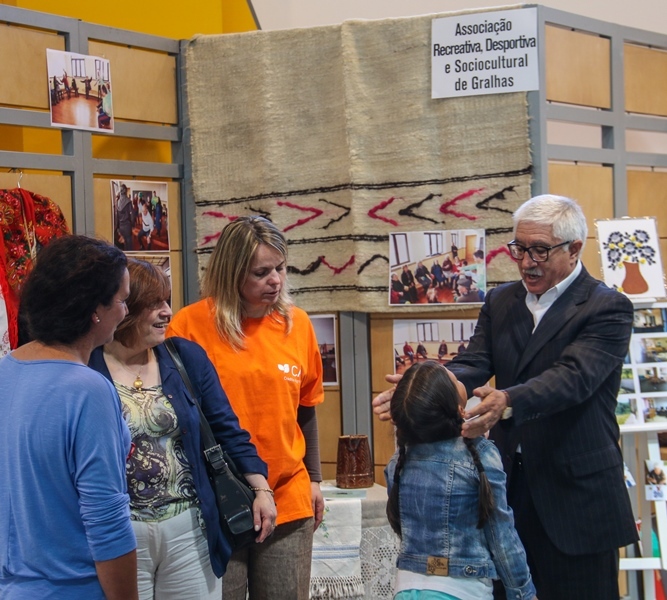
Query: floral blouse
{"x":159,"y":480}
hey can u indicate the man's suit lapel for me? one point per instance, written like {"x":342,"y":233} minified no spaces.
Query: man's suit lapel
{"x":522,"y":322}
{"x":565,"y":307}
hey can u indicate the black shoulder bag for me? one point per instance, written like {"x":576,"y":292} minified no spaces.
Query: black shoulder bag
{"x":232,"y":491}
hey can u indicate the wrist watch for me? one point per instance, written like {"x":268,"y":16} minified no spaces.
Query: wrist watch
{"x":507,"y":413}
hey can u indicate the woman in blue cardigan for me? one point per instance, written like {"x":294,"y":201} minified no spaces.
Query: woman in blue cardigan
{"x":181,"y":549}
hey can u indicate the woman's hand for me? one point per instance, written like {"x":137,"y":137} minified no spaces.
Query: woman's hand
{"x":318,"y":503}
{"x":264,"y":510}
{"x":264,"y":513}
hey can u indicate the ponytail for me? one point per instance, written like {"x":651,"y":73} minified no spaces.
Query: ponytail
{"x":393,"y":510}
{"x":485,"y":495}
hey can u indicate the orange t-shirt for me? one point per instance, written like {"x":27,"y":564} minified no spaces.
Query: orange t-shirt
{"x":266,"y":382}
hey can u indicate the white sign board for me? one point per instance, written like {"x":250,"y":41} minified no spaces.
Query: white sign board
{"x":484,"y":53}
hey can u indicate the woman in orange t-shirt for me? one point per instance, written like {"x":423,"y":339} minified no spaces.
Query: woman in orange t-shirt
{"x":266,"y":354}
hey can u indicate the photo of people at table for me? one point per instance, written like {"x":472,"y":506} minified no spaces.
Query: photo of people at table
{"x":79,"y":91}
{"x":437,"y":267}
{"x":140,"y":215}
{"x":425,"y":339}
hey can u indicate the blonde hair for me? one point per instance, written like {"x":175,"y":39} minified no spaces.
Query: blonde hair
{"x":229,"y":268}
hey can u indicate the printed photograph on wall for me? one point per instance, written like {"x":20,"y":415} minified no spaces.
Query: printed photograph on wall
{"x":648,"y":348}
{"x":325,"y":332}
{"x":627,"y":381}
{"x":628,"y":411}
{"x":79,"y":91}
{"x":642,"y":397}
{"x":437,"y":267}
{"x":649,"y":320}
{"x":140,"y":215}
{"x":655,"y":409}
{"x":652,"y":379}
{"x":159,"y":260}
{"x":429,"y":339}
{"x":656,"y":480}
{"x":630,"y":255}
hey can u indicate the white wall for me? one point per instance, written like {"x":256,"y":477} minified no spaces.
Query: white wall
{"x":288,"y":14}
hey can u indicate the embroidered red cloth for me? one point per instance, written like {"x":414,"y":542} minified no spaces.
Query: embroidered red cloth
{"x":27,"y":220}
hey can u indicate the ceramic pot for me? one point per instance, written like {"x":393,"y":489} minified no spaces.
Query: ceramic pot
{"x":354,"y":467}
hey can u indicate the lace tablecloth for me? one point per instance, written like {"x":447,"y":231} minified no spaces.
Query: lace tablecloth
{"x":379,"y":546}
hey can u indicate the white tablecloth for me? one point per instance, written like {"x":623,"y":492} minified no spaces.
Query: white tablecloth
{"x":378,"y":546}
{"x":336,"y":568}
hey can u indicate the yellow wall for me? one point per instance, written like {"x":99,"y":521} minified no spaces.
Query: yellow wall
{"x":168,"y":18}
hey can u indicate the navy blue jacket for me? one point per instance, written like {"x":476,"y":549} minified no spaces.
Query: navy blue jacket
{"x":223,"y":422}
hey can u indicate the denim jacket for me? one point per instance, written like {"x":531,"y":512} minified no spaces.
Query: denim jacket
{"x":439,"y":499}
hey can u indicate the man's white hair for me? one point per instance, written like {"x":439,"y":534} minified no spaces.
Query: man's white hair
{"x":562,"y":214}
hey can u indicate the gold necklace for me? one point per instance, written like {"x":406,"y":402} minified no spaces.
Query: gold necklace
{"x":138,"y":382}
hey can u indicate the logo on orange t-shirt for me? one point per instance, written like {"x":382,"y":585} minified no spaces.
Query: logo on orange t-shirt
{"x":292,"y":372}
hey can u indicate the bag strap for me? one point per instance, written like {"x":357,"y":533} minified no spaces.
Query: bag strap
{"x":212,"y":450}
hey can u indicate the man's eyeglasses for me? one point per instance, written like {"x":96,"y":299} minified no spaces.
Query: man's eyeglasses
{"x":537,"y":253}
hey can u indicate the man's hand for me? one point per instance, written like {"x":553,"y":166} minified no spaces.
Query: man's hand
{"x":381,"y":401}
{"x":486,"y":414}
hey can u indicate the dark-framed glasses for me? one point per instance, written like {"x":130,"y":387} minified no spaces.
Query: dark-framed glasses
{"x":537,"y":253}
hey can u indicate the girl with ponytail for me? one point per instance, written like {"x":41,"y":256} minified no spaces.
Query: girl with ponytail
{"x":447,"y":498}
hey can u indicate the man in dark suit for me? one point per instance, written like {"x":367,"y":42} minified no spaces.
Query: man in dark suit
{"x":555,"y":342}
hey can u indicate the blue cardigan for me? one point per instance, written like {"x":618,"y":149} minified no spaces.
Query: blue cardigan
{"x":223,"y":422}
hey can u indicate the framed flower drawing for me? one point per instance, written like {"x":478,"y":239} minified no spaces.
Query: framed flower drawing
{"x":630,"y":256}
